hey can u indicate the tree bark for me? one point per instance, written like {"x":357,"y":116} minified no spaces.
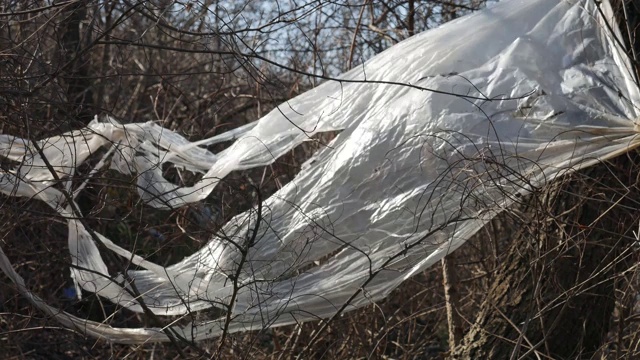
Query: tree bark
{"x":452,"y":300}
{"x":75,"y":62}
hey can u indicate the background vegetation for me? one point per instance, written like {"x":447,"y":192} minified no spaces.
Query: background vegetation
{"x":556,"y":277}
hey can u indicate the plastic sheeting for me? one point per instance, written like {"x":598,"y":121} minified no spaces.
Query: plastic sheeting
{"x":493,"y":106}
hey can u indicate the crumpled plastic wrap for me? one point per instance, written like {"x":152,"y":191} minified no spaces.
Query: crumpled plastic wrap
{"x":438,"y":134}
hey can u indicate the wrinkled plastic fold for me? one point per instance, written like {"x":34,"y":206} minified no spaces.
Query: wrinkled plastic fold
{"x":437,"y":135}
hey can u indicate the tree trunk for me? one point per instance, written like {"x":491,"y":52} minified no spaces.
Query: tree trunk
{"x":75,"y":67}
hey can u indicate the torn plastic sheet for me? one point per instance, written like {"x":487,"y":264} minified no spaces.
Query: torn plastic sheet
{"x":494,"y":105}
